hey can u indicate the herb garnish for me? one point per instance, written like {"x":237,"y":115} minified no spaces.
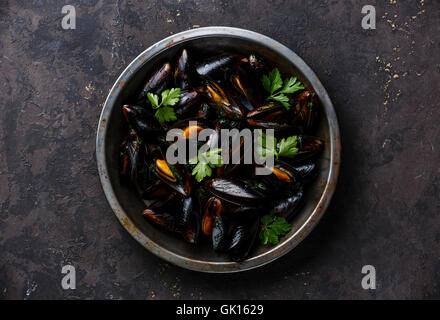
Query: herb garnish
{"x":164,"y":112}
{"x":274,"y":84}
{"x":272,"y":227}
{"x":286,"y":148}
{"x":206,"y":161}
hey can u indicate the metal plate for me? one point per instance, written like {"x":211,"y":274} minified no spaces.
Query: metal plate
{"x":126,"y":203}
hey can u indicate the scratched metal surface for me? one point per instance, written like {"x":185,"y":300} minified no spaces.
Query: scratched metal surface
{"x":383,"y":83}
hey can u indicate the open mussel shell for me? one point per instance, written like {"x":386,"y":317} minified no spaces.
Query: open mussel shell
{"x":234,"y":191}
{"x":245,"y":93}
{"x":157,"y":82}
{"x":285,"y":175}
{"x":306,"y":112}
{"x":142,"y":121}
{"x":174,"y":176}
{"x":191,"y":127}
{"x":162,"y":213}
{"x":282,"y":179}
{"x":212,"y":209}
{"x":223,"y":100}
{"x":184,"y":71}
{"x":272,"y":112}
{"x":288,"y":206}
{"x":242,"y":239}
{"x":155,"y":190}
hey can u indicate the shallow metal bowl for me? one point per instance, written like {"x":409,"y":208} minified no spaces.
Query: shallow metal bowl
{"x":127,"y":205}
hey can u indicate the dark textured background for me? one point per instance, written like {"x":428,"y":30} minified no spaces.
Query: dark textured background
{"x":384,"y":84}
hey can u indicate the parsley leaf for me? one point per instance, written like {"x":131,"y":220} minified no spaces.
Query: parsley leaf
{"x":291,"y":85}
{"x":206,"y":161}
{"x":164,"y":111}
{"x":201,"y":170}
{"x":165,"y":114}
{"x":272,"y":228}
{"x":154,"y":100}
{"x":281,"y":98}
{"x":170,"y":97}
{"x":288,"y":147}
{"x":273,"y":83}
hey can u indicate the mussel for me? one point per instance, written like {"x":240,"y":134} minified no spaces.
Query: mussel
{"x":132,"y":155}
{"x":213,"y":208}
{"x":246,"y":94}
{"x":184,"y":72}
{"x":174,"y":176}
{"x":235,"y":191}
{"x":309,"y":148}
{"x":157,"y":82}
{"x":188,"y":103}
{"x":306,"y":112}
{"x":162,"y":213}
{"x":155,"y":190}
{"x":308,"y":171}
{"x":218,"y":97}
{"x":287,"y":207}
{"x":189,"y":219}
{"x":242,"y":239}
{"x":272,"y":112}
{"x":142,"y":121}
{"x":284,"y":177}
{"x":214,"y":67}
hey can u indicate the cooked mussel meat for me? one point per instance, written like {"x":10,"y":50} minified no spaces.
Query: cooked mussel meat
{"x":213,"y":208}
{"x":174,"y":176}
{"x":306,"y":112}
{"x":219,"y":97}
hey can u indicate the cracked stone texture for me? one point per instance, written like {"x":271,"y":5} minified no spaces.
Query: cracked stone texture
{"x":384,"y":84}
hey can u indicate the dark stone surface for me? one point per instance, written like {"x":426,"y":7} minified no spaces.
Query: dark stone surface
{"x":386,"y":208}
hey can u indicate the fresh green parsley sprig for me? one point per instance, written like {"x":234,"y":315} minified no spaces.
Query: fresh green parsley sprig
{"x":267,"y":146}
{"x":164,"y":111}
{"x":277,"y":88}
{"x":206,"y":161}
{"x":272,"y":227}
